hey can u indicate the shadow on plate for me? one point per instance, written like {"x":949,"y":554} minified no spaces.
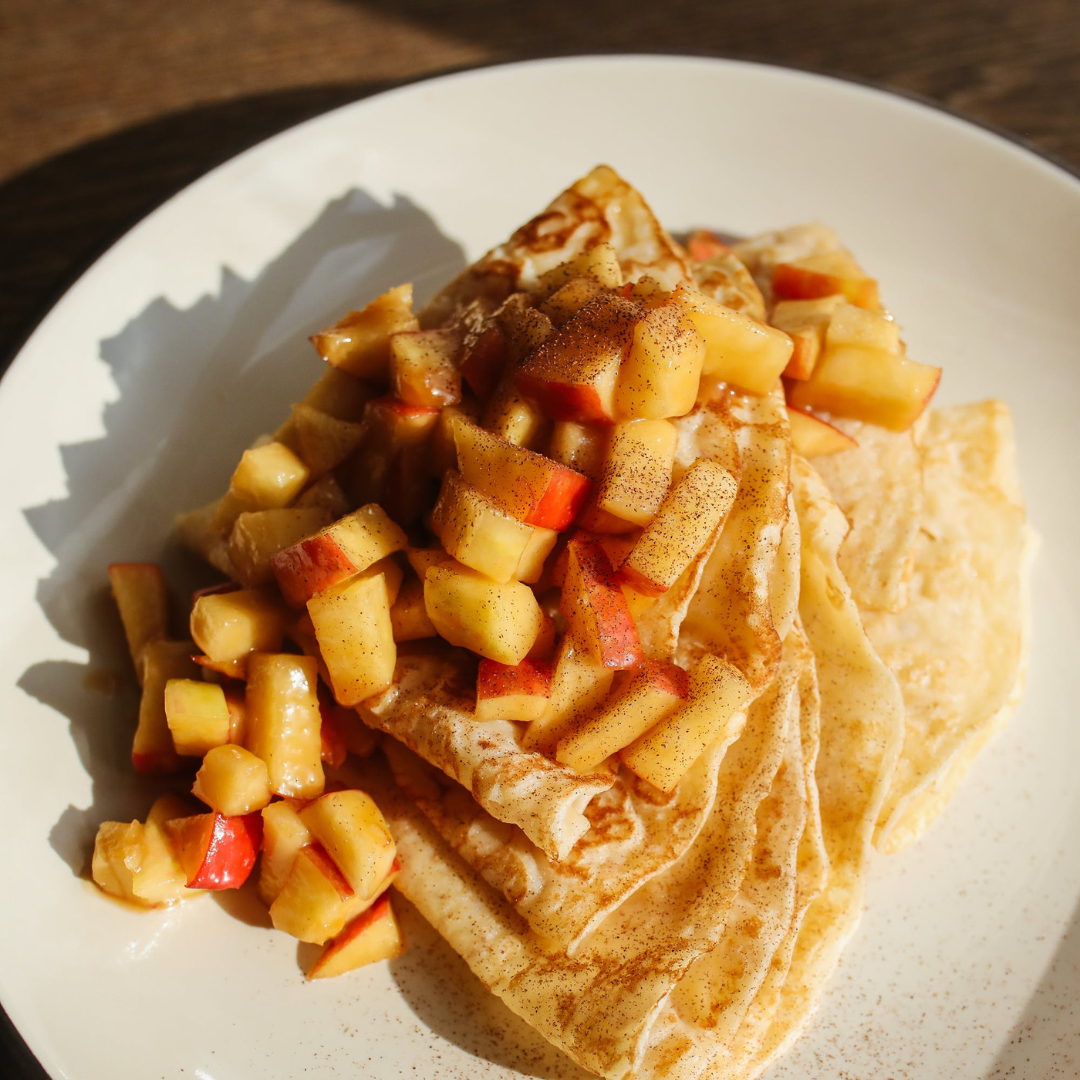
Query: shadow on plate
{"x":451,"y":1001}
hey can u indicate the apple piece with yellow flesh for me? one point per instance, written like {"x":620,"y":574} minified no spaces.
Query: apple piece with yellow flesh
{"x":142,"y":598}
{"x":258,"y":535}
{"x":230,"y":625}
{"x":813,"y":437}
{"x":284,"y":834}
{"x":662,"y":371}
{"x":879,"y":387}
{"x":528,"y":486}
{"x":717,"y":692}
{"x":514,"y":417}
{"x":113,"y":844}
{"x":595,"y":608}
{"x":531,"y":566}
{"x":356,"y":635}
{"x":332,"y":748}
{"x":315,"y":899}
{"x":157,"y":875}
{"x":544,"y":645}
{"x":579,"y":447}
{"x":408,"y":616}
{"x":805,"y":322}
{"x":152,"y":749}
{"x":336,"y":553}
{"x":599,"y":263}
{"x":521,"y":692}
{"x":499,"y":621}
{"x":851,"y":325}
{"x":197,"y":714}
{"x":232,"y":781}
{"x":327,"y":495}
{"x":268,"y":476}
{"x":340,"y":395}
{"x":372,"y":936}
{"x":322,"y":442}
{"x":221,"y":671}
{"x":825,"y":275}
{"x":573,"y":375}
{"x":216,"y":852}
{"x":565,"y":302}
{"x":654,"y":691}
{"x":738,"y":349}
{"x":359,"y":344}
{"x":354,"y":833}
{"x":683,"y":525}
{"x":283,"y":722}
{"x":476,"y":532}
{"x":423,"y":369}
{"x":636,"y":473}
{"x":392,"y":431}
{"x":579,"y":684}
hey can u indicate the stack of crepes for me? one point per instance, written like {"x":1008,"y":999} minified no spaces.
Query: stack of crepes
{"x":876,"y":602}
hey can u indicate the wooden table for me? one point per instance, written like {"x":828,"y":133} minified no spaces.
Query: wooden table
{"x":108,"y":107}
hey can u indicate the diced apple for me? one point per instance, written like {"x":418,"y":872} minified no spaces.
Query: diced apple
{"x":851,"y":325}
{"x":284,"y":834}
{"x":867,"y":384}
{"x":152,"y":749}
{"x":529,"y":486}
{"x":476,"y":532}
{"x":654,"y":691}
{"x":326,"y":494}
{"x":315,"y":900}
{"x":372,"y":936}
{"x":198,"y":532}
{"x":595,"y":608}
{"x":268,"y":476}
{"x":283,"y":722}
{"x":662,"y":371}
{"x":602,"y":522}
{"x":393,"y":432}
{"x":355,"y":635}
{"x":717,"y":692}
{"x":738,"y":349}
{"x":339,"y":394}
{"x":423,"y":369}
{"x":578,"y":446}
{"x":814,"y":437}
{"x":216,"y":852}
{"x":352,"y":830}
{"x":234,"y":699}
{"x":563,"y":304}
{"x":805,"y":322}
{"x":422,"y":559}
{"x":579,"y":685}
{"x":358,"y":737}
{"x":332,"y":748}
{"x":703,"y":245}
{"x":229,"y":626}
{"x":685,"y":521}
{"x":484,"y":360}
{"x":197,"y":715}
{"x":544,"y":645}
{"x":232,"y":781}
{"x":408,"y":616}
{"x":442,"y":450}
{"x":573,"y":375}
{"x":157,"y":877}
{"x":499,"y":621}
{"x":540,"y":545}
{"x":512,"y":416}
{"x":360,"y":343}
{"x":335,"y":553}
{"x":521,"y":692}
{"x":322,"y":442}
{"x":637,"y":469}
{"x":825,"y":275}
{"x":258,"y":535}
{"x":109,"y":869}
{"x":142,"y":597}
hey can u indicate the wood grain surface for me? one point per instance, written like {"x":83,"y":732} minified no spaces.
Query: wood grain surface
{"x":107,"y":107}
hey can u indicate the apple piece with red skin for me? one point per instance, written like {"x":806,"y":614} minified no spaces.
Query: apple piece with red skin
{"x":527,"y":485}
{"x":359,"y":344}
{"x":333,"y":749}
{"x":813,"y":437}
{"x":573,"y":375}
{"x":519,"y":692}
{"x":596,"y":610}
{"x":347,"y":547}
{"x":216,"y":852}
{"x":703,"y":244}
{"x":484,"y":361}
{"x":373,"y":935}
{"x":142,"y":598}
{"x":825,"y":275}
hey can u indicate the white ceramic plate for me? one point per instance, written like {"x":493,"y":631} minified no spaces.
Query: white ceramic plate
{"x":134,"y":397}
